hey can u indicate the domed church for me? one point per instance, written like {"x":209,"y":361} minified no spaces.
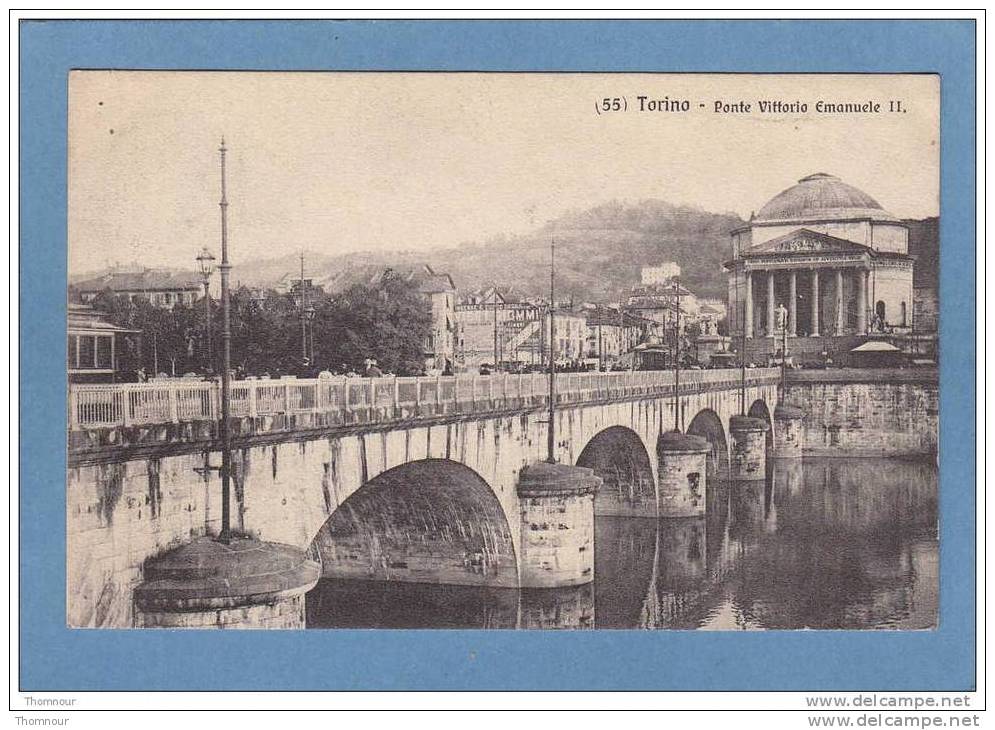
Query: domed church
{"x":821,"y":260}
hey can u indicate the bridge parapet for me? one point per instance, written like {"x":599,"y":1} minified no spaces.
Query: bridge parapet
{"x":181,"y":401}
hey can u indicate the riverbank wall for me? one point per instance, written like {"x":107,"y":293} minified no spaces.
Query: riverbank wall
{"x":857,"y":412}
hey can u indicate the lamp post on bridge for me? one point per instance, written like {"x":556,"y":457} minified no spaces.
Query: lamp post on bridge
{"x":205,"y":259}
{"x":304,"y":315}
{"x":551,"y":440}
{"x":264,"y":583}
{"x":677,"y":355}
{"x":545,"y":486}
{"x":742,"y":348}
{"x":225,"y":267}
{"x":309,"y":313}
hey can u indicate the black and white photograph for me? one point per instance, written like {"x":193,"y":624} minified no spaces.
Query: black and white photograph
{"x":589,"y":351}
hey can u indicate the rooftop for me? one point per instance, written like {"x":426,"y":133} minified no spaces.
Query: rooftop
{"x":145,"y":280}
{"x":821,"y":196}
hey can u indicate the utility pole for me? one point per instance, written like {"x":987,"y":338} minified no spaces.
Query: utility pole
{"x":622,"y":340}
{"x":225,"y":268}
{"x":742,"y":349}
{"x":303,"y":314}
{"x":601,"y":348}
{"x":494,"y":294}
{"x":677,"y":356}
{"x":551,"y":445}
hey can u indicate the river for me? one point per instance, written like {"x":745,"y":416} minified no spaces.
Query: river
{"x":822,"y":543}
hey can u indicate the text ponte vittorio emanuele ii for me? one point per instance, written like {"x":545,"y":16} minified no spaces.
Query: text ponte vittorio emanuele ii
{"x":646,"y":103}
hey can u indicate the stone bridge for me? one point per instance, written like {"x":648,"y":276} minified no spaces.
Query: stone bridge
{"x":439,"y":480}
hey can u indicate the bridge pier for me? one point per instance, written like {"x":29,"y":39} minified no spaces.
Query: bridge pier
{"x":749,"y":448}
{"x":789,"y":434}
{"x":246,"y":584}
{"x":570,"y":607}
{"x":681,"y":469}
{"x":557,"y":508}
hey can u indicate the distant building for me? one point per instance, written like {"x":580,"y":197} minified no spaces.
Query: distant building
{"x":94,"y":345}
{"x":659,"y":274}
{"x":496,"y":326}
{"x":158,"y":287}
{"x":439,"y":290}
{"x":611,"y":333}
{"x":571,"y":334}
{"x":292,"y":282}
{"x":659,"y":303}
{"x":832,"y":259}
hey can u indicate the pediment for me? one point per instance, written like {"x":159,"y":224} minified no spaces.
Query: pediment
{"x":804,"y":240}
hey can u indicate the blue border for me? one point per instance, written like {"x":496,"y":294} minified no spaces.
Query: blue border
{"x":55,"y":658}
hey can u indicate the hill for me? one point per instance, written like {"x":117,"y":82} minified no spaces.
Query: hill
{"x":599,"y":253}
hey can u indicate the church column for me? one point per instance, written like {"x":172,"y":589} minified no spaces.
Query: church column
{"x":748,"y":304}
{"x":770,"y":303}
{"x":861,"y":302}
{"x":839,"y":302}
{"x":793,"y":305}
{"x":815,"y":303}
{"x":869,"y":297}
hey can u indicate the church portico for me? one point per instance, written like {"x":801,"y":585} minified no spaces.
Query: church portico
{"x":816,"y":282}
{"x":830,"y":300}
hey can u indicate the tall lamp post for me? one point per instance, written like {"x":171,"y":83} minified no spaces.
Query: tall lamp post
{"x":206,"y":261}
{"x":677,"y":355}
{"x":497,"y":356}
{"x":742,"y":347}
{"x":304,"y":308}
{"x":551,"y":434}
{"x":225,"y":268}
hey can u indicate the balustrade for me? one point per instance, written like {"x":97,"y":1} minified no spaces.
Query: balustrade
{"x":127,"y":404}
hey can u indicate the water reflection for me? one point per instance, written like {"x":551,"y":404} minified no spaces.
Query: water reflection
{"x":821,"y":543}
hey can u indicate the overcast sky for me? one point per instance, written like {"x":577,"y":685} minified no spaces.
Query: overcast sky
{"x":336,"y":162}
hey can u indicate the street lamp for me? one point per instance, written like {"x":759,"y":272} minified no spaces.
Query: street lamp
{"x":309,"y":313}
{"x":206,"y":261}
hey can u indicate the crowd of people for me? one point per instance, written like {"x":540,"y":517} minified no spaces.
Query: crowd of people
{"x":372,"y":369}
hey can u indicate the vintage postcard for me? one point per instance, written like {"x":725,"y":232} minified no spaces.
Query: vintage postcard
{"x":503,"y":351}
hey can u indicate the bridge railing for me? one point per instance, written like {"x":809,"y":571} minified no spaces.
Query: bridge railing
{"x":176,"y":401}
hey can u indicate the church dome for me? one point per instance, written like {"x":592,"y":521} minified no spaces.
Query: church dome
{"x":821,"y":197}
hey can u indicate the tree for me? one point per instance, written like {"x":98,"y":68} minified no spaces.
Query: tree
{"x":388,"y":321}
{"x":169,"y":336}
{"x":265,"y":334}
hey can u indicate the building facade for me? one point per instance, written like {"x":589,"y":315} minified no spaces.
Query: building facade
{"x":612,"y":333}
{"x":158,"y":287}
{"x":824,"y":260}
{"x":439,"y":292}
{"x":94,"y":345}
{"x":495,"y":327}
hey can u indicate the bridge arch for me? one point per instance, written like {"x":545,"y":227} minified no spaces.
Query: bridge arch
{"x":708,"y":424}
{"x":425,"y":521}
{"x":618,"y":455}
{"x":759,"y":409}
